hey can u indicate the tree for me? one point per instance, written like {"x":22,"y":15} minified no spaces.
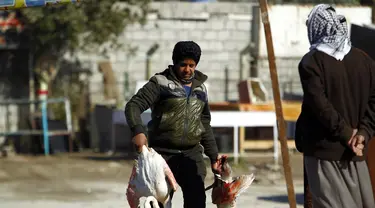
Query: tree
{"x":86,"y":25}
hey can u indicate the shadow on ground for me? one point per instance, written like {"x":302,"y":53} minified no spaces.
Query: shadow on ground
{"x":282,"y":198}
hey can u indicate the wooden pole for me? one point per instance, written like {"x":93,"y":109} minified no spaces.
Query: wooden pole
{"x":278,"y":104}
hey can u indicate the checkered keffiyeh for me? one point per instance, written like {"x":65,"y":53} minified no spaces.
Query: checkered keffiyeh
{"x":328,"y":31}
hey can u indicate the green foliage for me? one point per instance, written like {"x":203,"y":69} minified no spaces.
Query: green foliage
{"x":67,"y":85}
{"x":86,"y":25}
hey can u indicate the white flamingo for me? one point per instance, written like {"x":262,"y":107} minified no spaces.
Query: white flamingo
{"x":151,"y":181}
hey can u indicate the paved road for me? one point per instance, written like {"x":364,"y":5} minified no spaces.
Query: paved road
{"x":94,"y":194}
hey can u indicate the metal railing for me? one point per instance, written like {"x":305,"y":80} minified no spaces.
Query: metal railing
{"x":45,"y":130}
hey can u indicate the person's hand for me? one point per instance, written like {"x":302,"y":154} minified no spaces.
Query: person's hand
{"x":357,"y":144}
{"x":217,"y":166}
{"x":139,"y":140}
{"x":354,"y":132}
{"x":351,"y":138}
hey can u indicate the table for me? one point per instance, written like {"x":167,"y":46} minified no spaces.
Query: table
{"x":234,"y":119}
{"x":238,"y":119}
{"x":291,"y":109}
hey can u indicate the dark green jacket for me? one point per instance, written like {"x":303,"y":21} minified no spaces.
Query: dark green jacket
{"x":179,"y":122}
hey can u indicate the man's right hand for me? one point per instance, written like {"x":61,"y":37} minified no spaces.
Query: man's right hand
{"x":139,"y":140}
{"x":356,"y":143}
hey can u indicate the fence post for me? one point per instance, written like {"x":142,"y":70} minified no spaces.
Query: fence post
{"x":43,"y":95}
{"x":226,"y":84}
{"x":149,"y":54}
{"x":45,"y":127}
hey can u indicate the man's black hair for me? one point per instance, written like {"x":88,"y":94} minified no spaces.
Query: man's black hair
{"x":186,"y":49}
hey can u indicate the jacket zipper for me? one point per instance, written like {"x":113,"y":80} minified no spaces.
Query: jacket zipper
{"x":186,"y":120}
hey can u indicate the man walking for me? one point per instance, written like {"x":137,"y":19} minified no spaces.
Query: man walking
{"x":180,"y":124}
{"x":338,"y":113}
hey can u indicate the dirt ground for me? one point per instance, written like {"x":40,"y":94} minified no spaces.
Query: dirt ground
{"x":80,"y":178}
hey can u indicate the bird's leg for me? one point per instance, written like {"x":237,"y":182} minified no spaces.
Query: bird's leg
{"x":171,"y":179}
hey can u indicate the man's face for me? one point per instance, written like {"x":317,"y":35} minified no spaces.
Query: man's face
{"x":185,"y":68}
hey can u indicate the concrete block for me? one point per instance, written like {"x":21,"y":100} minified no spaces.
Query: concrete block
{"x":223,"y":35}
{"x":235,"y":56}
{"x":150,"y":24}
{"x":230,"y":24}
{"x":153,"y":35}
{"x":204,"y":66}
{"x":140,"y":56}
{"x":197,"y":7}
{"x":200,"y":25}
{"x":222,"y":7}
{"x":167,"y":56}
{"x":167,"y":48}
{"x":241,"y":8}
{"x":241,"y":35}
{"x":215,"y":46}
{"x":168,"y":35}
{"x":96,"y":87}
{"x":212,"y":63}
{"x":196,"y":35}
{"x":186,"y":10}
{"x":234,"y":44}
{"x":210,"y":35}
{"x":217,"y":24}
{"x":120,"y":77}
{"x":120,"y":67}
{"x":139,"y":35}
{"x":121,"y":56}
{"x":166,"y":11}
{"x":177,"y":24}
{"x":183,"y":35}
{"x":164,"y":24}
{"x":204,"y":44}
{"x":185,"y":7}
{"x":133,"y":27}
{"x":243,"y":25}
{"x":96,"y":77}
{"x":137,"y":74}
{"x":155,"y":6}
{"x":188,"y":25}
{"x":136,"y":66}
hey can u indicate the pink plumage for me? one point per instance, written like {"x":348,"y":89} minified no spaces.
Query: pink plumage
{"x":150,"y":177}
{"x":226,"y":188}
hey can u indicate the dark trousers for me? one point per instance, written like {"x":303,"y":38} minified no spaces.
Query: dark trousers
{"x":190,"y":172}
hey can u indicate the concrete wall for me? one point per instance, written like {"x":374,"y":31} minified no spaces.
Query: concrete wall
{"x":222,"y":30}
{"x":291,"y":42}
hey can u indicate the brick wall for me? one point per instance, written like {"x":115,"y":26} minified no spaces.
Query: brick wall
{"x":222,"y":30}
